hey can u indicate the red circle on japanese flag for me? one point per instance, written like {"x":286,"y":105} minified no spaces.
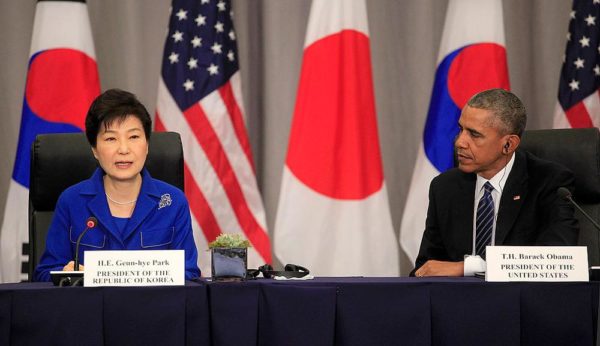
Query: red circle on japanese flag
{"x":61,"y":85}
{"x":476,"y":68}
{"x":334,"y":145}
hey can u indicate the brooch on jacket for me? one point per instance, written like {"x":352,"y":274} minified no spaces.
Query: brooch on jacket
{"x":165,"y":201}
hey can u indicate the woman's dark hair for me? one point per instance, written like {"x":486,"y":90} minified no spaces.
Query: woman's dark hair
{"x":111,"y":105}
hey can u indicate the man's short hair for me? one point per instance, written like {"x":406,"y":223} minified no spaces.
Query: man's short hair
{"x":115,"y":104}
{"x":509,"y":112}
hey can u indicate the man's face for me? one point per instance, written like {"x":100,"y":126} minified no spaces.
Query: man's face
{"x":480,"y":143}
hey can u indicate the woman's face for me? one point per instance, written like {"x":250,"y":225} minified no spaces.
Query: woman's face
{"x":121,"y":149}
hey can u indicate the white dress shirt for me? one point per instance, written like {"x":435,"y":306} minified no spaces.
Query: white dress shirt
{"x":475,"y":263}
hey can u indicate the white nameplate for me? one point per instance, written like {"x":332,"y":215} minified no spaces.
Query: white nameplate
{"x":536,"y":263}
{"x":134,"y":268}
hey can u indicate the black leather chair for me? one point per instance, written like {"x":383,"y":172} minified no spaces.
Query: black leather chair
{"x":61,"y":160}
{"x":578,"y":150}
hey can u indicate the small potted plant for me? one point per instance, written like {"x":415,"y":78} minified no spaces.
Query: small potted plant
{"x":229,"y":257}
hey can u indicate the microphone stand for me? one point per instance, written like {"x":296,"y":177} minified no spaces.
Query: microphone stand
{"x":566,"y":194}
{"x":583,"y":212}
{"x":75,"y":278}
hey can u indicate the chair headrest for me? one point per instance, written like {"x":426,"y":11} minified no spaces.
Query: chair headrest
{"x":576,"y":149}
{"x":61,"y":160}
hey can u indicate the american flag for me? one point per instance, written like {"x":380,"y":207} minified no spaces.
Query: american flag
{"x":200,"y":97}
{"x":578,"y":96}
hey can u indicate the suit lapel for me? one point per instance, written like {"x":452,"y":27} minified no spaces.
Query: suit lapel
{"x":98,"y":206}
{"x":515,"y":192}
{"x":146,"y":203}
{"x":465,"y":197}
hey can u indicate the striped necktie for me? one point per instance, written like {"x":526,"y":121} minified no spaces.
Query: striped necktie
{"x":485,"y":220}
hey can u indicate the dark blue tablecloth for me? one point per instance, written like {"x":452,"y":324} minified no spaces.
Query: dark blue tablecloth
{"x":324,"y":311}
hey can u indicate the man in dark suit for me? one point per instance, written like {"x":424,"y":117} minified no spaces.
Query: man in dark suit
{"x":496,"y":196}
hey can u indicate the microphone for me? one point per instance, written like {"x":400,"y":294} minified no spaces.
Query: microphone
{"x":564,"y":193}
{"x":90,"y":223}
{"x":73,"y":278}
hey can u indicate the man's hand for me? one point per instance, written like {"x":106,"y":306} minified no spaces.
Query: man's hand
{"x":441,"y":268}
{"x":71,"y":267}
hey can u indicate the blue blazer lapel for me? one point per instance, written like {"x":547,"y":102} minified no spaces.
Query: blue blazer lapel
{"x":147,"y":202}
{"x":144,"y":206}
{"x":98,"y":206}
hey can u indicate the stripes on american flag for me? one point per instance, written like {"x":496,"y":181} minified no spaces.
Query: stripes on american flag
{"x":200,"y":97}
{"x":578,"y":94}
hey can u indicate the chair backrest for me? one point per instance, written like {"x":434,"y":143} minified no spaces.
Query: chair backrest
{"x":61,"y":160}
{"x":579,"y":151}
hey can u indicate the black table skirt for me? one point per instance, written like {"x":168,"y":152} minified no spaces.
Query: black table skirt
{"x":324,"y":311}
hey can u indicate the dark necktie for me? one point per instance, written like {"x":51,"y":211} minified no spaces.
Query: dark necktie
{"x":485,"y":221}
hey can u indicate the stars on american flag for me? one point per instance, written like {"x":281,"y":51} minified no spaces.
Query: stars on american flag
{"x":574,"y":85}
{"x":200,"y":20}
{"x":196,"y":42}
{"x":173,"y":58}
{"x":181,"y":14}
{"x":590,"y":20}
{"x":188,"y":85}
{"x":216,"y":48}
{"x":219,"y":27}
{"x":201,"y":51}
{"x":213,"y":69}
{"x":177,"y":36}
{"x":580,"y":74}
{"x":192,"y":63}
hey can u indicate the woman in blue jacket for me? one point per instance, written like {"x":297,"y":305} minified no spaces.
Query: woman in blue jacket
{"x":134,"y":211}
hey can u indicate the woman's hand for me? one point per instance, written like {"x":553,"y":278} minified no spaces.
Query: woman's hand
{"x":71,"y":267}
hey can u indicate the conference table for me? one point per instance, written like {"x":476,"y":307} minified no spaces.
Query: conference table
{"x":323,"y":311}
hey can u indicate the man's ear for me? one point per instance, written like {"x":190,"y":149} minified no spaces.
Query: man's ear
{"x":512,"y":143}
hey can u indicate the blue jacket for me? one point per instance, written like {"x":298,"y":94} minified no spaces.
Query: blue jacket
{"x":160,"y":220}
